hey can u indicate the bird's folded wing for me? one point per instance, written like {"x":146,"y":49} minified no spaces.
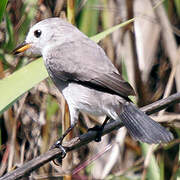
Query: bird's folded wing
{"x":88,"y":66}
{"x":114,"y":82}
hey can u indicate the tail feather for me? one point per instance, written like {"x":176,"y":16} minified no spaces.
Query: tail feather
{"x":143,"y":128}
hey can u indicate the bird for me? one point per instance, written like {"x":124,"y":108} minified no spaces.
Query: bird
{"x":88,"y":80}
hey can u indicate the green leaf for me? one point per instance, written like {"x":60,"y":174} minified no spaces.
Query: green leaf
{"x":89,"y":18}
{"x":177,"y":5}
{"x":3,"y":4}
{"x":9,"y":34}
{"x":103,"y":34}
{"x":15,"y":85}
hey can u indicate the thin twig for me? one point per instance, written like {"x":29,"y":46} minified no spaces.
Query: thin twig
{"x":161,"y":104}
{"x":77,"y":142}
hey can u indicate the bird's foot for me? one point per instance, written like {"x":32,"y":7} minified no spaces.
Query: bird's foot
{"x":58,"y":144}
{"x":99,"y":130}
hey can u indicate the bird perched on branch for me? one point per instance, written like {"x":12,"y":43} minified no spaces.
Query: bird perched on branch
{"x":88,"y":80}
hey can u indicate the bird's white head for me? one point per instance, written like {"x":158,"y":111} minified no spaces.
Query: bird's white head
{"x":49,"y":32}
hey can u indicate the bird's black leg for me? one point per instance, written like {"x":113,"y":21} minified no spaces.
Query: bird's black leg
{"x":99,"y":129}
{"x":74,"y":113}
{"x":58,"y":143}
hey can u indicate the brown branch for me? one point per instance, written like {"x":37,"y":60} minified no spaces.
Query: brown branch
{"x":77,"y":142}
{"x":161,"y":104}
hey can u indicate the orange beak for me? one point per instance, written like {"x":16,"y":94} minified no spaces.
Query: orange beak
{"x":21,"y":48}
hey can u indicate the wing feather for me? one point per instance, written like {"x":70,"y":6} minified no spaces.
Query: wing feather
{"x":85,"y":62}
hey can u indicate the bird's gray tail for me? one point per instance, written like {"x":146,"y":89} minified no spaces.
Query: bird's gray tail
{"x":143,"y":128}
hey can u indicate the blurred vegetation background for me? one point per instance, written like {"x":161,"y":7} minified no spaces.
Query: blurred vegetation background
{"x":146,"y":52}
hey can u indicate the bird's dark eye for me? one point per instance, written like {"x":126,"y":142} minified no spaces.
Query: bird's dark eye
{"x":37,"y":33}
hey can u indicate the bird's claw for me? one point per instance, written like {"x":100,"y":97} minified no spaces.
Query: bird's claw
{"x":58,"y":144}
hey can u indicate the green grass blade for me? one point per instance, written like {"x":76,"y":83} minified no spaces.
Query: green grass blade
{"x":15,"y":85}
{"x":9,"y":34}
{"x":89,"y":19}
{"x":177,"y":5}
{"x":3,"y":4}
{"x":103,"y":34}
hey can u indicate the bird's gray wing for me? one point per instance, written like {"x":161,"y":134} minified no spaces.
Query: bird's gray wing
{"x":85,"y":62}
